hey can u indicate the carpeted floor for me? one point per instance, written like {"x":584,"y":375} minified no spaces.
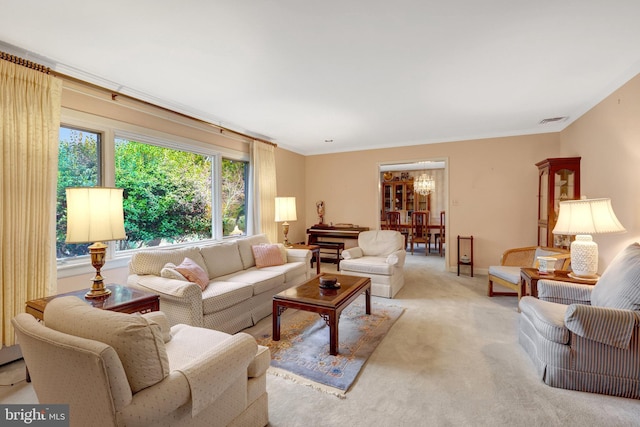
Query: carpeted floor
{"x":451,"y":359}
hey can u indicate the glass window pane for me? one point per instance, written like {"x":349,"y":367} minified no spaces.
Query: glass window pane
{"x":167,"y":194}
{"x":78,"y":166}
{"x":234,"y":197}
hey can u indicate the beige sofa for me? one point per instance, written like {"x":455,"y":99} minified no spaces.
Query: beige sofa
{"x":116,"y":369}
{"x":238,"y":294}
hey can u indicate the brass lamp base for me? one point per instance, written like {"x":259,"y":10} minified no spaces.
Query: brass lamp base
{"x":98,"y":253}
{"x":285,"y":230}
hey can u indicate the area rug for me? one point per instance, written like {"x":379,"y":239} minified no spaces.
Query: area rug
{"x":302,"y":354}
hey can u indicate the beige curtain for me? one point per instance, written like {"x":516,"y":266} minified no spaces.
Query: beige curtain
{"x":263,"y":161}
{"x":29,"y":125}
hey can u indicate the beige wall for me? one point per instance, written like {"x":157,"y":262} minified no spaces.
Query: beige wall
{"x":608,"y":140}
{"x":492,"y":182}
{"x":290,"y":178}
{"x":492,"y":188}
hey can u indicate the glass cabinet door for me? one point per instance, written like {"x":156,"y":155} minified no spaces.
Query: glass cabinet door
{"x":558,"y":180}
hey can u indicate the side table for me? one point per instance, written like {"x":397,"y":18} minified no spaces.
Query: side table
{"x":122,"y":299}
{"x":315,"y":252}
{"x":529,"y":280}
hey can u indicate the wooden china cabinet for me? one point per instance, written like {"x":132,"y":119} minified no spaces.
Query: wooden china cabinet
{"x":558,"y":180}
{"x":397,"y":196}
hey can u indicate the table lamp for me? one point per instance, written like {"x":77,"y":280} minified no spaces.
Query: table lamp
{"x":286,"y":211}
{"x":582,"y":218}
{"x":94,"y":214}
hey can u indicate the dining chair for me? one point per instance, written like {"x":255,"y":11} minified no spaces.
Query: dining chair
{"x":394,"y":223}
{"x":419,"y":230}
{"x":442,"y":235}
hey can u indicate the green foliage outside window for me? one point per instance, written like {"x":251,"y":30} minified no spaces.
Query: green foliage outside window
{"x":78,"y":166}
{"x":167,"y":192}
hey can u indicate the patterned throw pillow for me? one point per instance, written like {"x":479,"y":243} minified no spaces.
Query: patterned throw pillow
{"x":193,"y":272}
{"x":267,"y":255}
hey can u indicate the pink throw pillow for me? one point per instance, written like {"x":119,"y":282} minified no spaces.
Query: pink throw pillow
{"x":267,"y":255}
{"x":193,"y":272}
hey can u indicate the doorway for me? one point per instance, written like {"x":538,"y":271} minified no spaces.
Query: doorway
{"x":400,"y":191}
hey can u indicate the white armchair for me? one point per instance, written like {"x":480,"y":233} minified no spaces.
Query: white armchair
{"x":116,"y":369}
{"x":380,"y":255}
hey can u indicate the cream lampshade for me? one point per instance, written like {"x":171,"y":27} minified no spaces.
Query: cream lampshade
{"x":582,"y":218}
{"x":286,"y":211}
{"x":94,"y":214}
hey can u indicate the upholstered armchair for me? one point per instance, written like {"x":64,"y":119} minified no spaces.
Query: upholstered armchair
{"x":507,"y":273}
{"x":586,"y":338}
{"x":380,"y":255}
{"x":116,"y":369}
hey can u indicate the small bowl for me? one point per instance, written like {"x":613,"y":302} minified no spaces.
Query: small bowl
{"x":329,"y":282}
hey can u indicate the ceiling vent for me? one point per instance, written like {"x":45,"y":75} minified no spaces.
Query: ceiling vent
{"x":553,"y":120}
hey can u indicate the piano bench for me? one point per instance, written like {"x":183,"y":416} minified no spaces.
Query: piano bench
{"x":333,"y":256}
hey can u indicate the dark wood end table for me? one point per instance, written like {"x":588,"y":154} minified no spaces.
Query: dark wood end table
{"x":529,"y":280}
{"x":315,"y":252}
{"x":328,"y":303}
{"x":122,"y":299}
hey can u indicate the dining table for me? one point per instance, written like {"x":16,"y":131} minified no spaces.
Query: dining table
{"x":406,"y":230}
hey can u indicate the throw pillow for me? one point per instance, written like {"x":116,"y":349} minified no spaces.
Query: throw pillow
{"x":138,"y":341}
{"x":169,"y":272}
{"x":619,"y":285}
{"x":267,"y":255}
{"x":193,"y":272}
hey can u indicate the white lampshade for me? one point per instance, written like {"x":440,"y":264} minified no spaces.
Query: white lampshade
{"x":583,"y":218}
{"x":286,"y":209}
{"x":587,"y":216}
{"x":94,"y":214}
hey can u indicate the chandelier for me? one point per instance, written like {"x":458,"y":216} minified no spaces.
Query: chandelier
{"x":424,"y":184}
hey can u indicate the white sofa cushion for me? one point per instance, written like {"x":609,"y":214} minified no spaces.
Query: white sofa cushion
{"x":152,"y":261}
{"x":380,"y":242}
{"x":223,"y":294}
{"x":263,"y":280}
{"x":509,"y":273}
{"x":222,"y":259}
{"x":371,"y":264}
{"x":137,"y":340}
{"x":291,"y":270}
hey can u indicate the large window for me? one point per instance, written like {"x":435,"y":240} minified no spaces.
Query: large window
{"x":234,"y":196}
{"x":78,"y":166}
{"x":174,"y":193}
{"x":167,"y":194}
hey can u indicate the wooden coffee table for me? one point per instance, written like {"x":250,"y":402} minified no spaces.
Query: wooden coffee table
{"x":327,"y":303}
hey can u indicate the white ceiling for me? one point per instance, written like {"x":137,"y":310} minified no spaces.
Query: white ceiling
{"x":363,"y":73}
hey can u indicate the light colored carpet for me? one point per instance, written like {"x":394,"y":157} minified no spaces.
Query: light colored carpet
{"x":452,"y":359}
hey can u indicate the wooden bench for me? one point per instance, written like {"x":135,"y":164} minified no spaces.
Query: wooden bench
{"x":332,"y":252}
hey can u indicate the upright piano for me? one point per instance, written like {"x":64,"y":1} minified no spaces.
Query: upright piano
{"x":329,"y":238}
{"x":319,"y":231}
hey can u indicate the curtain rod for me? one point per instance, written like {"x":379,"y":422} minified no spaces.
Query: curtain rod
{"x":47,"y":70}
{"x":24,"y":62}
